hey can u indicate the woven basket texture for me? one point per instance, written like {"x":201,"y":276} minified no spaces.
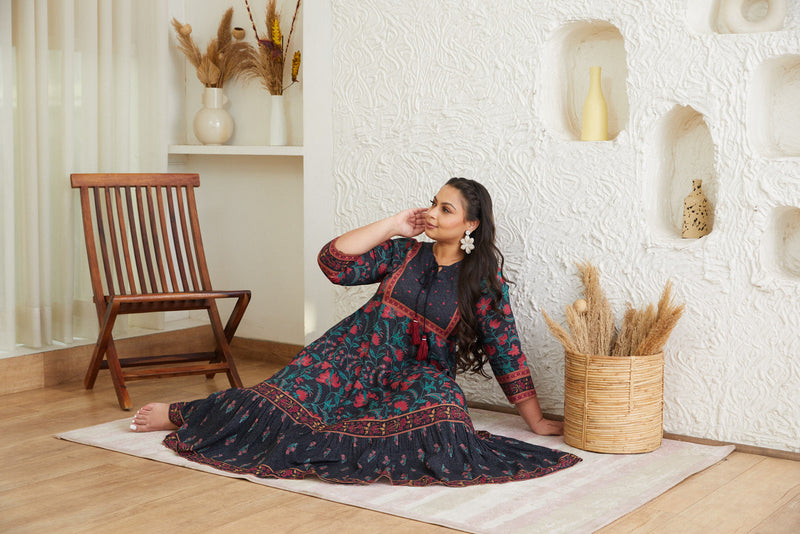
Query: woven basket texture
{"x":614,"y":404}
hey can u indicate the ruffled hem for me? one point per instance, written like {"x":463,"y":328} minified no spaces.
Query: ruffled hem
{"x":246,"y":433}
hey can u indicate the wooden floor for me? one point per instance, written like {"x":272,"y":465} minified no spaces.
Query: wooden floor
{"x":49,"y":485}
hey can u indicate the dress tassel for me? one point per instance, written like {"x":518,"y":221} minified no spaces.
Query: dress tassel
{"x":415,"y":337}
{"x":422,"y":351}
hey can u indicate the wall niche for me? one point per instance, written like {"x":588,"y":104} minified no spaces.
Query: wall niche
{"x":772,"y":110}
{"x":781,"y":243}
{"x":571,"y":51}
{"x":735,"y":16}
{"x":682,"y":151}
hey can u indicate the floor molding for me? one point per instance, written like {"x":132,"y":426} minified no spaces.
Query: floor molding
{"x":46,"y":369}
{"x":749,"y":449}
{"x":59,"y":366}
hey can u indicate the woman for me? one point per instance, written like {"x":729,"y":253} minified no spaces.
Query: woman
{"x":376,"y":395}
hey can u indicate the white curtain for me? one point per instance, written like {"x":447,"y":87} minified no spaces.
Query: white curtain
{"x":82,"y":89}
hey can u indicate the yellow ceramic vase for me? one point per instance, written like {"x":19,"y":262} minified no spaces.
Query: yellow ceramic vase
{"x":594,"y":121}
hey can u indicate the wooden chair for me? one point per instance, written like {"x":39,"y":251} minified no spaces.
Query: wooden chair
{"x":145,"y":255}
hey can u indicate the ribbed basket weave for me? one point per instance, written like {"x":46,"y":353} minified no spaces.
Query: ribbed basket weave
{"x":614,"y":404}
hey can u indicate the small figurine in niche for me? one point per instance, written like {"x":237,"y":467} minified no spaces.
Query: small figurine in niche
{"x":696,"y":213}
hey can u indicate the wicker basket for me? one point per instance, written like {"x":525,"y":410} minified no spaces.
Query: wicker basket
{"x":614,"y":404}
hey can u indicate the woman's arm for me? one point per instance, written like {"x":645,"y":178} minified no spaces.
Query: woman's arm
{"x":408,"y":223}
{"x":531,"y":412}
{"x":509,"y":364}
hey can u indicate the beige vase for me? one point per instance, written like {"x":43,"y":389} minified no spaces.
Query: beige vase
{"x":696,"y":213}
{"x":213,"y":125}
{"x":594,"y":120}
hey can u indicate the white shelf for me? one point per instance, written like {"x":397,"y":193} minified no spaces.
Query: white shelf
{"x":234,"y":150}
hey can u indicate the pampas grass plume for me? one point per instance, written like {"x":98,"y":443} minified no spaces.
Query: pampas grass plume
{"x":224,"y":59}
{"x":643,"y":331}
{"x":560,"y":334}
{"x":267,"y":59}
{"x":577,"y":323}
{"x":600,"y":318}
{"x":665,"y":320}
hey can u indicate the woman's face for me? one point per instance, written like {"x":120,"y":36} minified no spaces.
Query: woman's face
{"x":445,"y":220}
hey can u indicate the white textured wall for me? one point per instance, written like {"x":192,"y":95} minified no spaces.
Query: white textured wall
{"x":428,"y":90}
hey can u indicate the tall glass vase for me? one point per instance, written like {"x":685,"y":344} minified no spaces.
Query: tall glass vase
{"x":278,"y":130}
{"x":213,"y":125}
{"x":594,"y":121}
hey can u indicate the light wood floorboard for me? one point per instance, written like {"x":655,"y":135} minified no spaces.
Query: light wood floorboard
{"x":49,"y":485}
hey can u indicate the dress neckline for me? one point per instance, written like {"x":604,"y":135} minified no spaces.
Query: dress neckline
{"x":442,"y":267}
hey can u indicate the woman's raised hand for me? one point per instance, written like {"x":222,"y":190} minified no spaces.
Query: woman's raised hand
{"x":410,"y":222}
{"x":407,"y":223}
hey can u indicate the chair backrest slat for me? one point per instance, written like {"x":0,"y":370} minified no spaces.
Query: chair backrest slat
{"x":125,"y":262}
{"x":142,"y":233}
{"x":112,"y":234}
{"x":151,"y":192}
{"x":187,"y":242}
{"x":202,"y":268}
{"x":146,"y":252}
{"x":135,"y":233}
{"x":176,"y":238}
{"x":88,"y":226}
{"x":167,"y":259}
{"x":102,"y":239}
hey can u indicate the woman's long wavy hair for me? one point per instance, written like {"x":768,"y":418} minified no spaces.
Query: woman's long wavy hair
{"x":477,"y":276}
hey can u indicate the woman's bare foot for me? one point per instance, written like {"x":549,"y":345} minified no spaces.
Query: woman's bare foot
{"x":153,"y":416}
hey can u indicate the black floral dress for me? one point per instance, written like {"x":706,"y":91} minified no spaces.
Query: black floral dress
{"x":376,"y":396}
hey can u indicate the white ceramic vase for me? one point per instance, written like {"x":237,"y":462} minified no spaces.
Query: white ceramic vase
{"x":278,"y":130}
{"x":213,"y":125}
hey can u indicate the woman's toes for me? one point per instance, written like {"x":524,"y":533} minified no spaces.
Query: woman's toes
{"x":154,"y":416}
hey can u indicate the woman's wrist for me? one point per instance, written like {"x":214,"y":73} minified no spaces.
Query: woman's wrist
{"x":364,"y":239}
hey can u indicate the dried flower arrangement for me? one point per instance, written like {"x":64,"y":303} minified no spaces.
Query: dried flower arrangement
{"x":225,"y":57}
{"x":591,"y":322}
{"x":266,"y":61}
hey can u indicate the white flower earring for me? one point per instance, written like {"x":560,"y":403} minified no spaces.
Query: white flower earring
{"x":467,"y":243}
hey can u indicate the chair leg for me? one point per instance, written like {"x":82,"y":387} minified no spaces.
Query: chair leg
{"x":117,"y":377}
{"x":105,"y":347}
{"x":94,"y":367}
{"x":103,"y":338}
{"x":230,"y":330}
{"x":223,"y":349}
{"x":236,"y":316}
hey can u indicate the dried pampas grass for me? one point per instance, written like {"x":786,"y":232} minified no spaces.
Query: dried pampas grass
{"x":665,"y":320}
{"x":560,"y":333}
{"x":591,"y":322}
{"x":625,"y":337}
{"x":266,"y":61}
{"x":578,"y":324}
{"x":600,"y":318}
{"x":225,"y":56}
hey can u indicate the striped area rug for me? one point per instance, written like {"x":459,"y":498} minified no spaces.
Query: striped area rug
{"x":583,"y":498}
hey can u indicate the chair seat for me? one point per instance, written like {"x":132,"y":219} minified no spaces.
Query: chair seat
{"x":166,"y":297}
{"x":170,"y":301}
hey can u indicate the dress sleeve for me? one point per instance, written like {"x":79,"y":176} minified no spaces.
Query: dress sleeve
{"x":369,"y":268}
{"x":500,"y":340}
